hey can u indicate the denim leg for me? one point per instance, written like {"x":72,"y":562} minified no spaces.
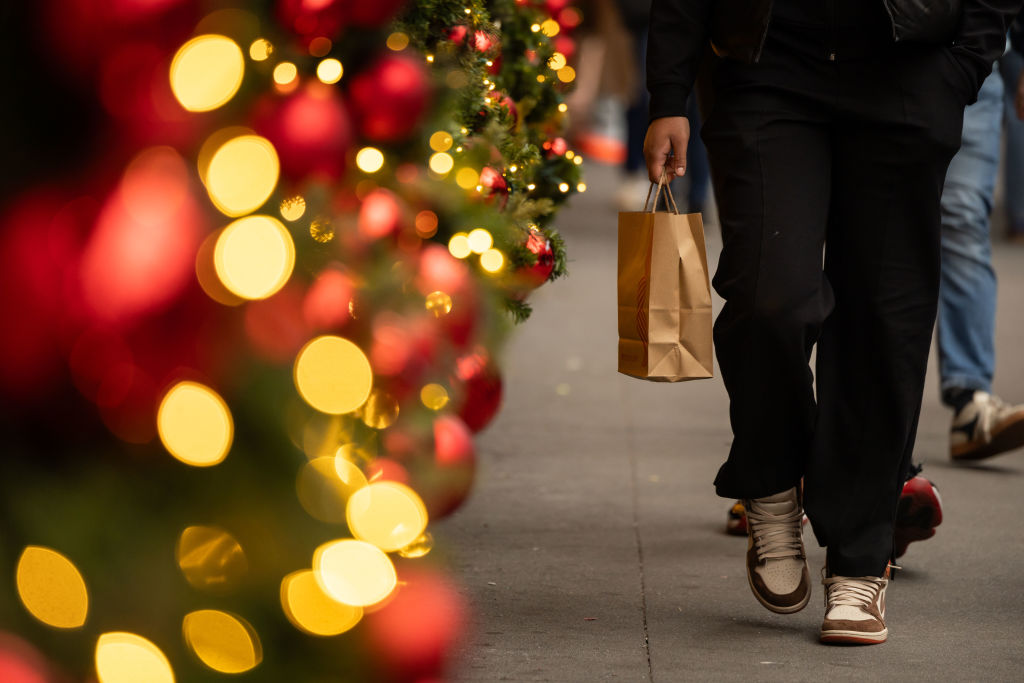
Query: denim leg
{"x":967,"y":293}
{"x":1010,"y":66}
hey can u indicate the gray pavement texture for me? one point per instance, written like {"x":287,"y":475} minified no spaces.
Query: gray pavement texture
{"x":593,"y":546}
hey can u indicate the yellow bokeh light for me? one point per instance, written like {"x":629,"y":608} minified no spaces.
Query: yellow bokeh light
{"x":439,"y":303}
{"x":333,"y":375}
{"x":434,"y":396}
{"x":467,"y":178}
{"x":195,"y":424}
{"x":492,"y":260}
{"x":582,"y":187}
{"x":535,"y":27}
{"x":578,"y":160}
{"x":550,"y":28}
{"x":419,"y":547}
{"x":458,"y":245}
{"x":380,"y":410}
{"x":541,"y":78}
{"x":313,"y":611}
{"x":570,"y":155}
{"x":206,"y":72}
{"x":564,"y":187}
{"x":480,"y":240}
{"x":242,"y":174}
{"x":557,"y":61}
{"x":441,"y":163}
{"x":566,"y":74}
{"x":51,"y":588}
{"x":441,"y":141}
{"x":369,"y":159}
{"x":254,"y":256}
{"x":293,"y":208}
{"x":285,"y":73}
{"x":563,"y":107}
{"x":127,"y":658}
{"x":387,"y":514}
{"x":210,"y":558}
{"x":222,"y":641}
{"x":260,"y":49}
{"x":398,"y":41}
{"x":321,"y":230}
{"x":354,"y":572}
{"x":324,"y":486}
{"x":329,"y":71}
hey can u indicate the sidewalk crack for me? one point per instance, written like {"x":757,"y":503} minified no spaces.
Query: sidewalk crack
{"x":635,"y":495}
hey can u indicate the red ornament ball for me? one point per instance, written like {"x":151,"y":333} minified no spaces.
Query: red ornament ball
{"x":371,"y":12}
{"x":446,"y":481}
{"x":481,"y":389}
{"x":537,"y":274}
{"x":493,"y":181}
{"x":413,"y":634}
{"x":311,"y":131}
{"x":390,"y":97}
{"x":310,"y":19}
{"x":500,"y":99}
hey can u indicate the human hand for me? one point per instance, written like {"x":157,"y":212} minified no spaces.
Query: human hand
{"x":665,"y":147}
{"x":1019,"y":101}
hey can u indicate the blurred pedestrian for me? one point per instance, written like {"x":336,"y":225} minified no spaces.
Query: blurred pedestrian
{"x":831,"y":122}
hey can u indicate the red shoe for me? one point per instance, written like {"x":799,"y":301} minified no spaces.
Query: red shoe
{"x":919,"y":512}
{"x":736,"y":524}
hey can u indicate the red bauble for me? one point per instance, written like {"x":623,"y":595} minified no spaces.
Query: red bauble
{"x":481,"y":389}
{"x":565,"y":45}
{"x":446,"y":481}
{"x":495,"y":184}
{"x":276,"y":326}
{"x":558,"y":146}
{"x":310,"y":130}
{"x":372,"y":12}
{"x":310,"y":19}
{"x":22,"y":663}
{"x":413,"y":634}
{"x":458,"y":34}
{"x":556,"y":6}
{"x":500,"y":99}
{"x":327,"y":301}
{"x":537,"y":274}
{"x":390,"y":97}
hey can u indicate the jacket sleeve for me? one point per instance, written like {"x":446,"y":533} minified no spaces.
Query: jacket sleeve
{"x":1017,"y":34}
{"x":675,"y":42}
{"x":982,"y":35}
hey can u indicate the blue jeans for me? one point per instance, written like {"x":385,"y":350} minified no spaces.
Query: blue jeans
{"x":967,"y":292}
{"x":1010,"y":66}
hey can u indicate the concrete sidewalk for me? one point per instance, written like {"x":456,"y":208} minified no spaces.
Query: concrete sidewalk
{"x":593,"y":547}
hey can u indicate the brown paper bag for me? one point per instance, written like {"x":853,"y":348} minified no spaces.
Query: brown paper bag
{"x":664,"y":294}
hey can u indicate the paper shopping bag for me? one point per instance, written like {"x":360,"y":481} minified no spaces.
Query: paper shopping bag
{"x":664,"y":295}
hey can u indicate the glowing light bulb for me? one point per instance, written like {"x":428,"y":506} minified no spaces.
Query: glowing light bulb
{"x":458,"y":245}
{"x":254,"y":256}
{"x":370,"y":159}
{"x":333,"y":375}
{"x":51,"y":588}
{"x":206,"y":72}
{"x":492,"y":260}
{"x":329,"y":71}
{"x":195,"y":425}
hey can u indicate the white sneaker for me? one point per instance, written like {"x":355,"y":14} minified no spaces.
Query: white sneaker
{"x":776,"y":562}
{"x":985,"y":427}
{"x":854,"y":610}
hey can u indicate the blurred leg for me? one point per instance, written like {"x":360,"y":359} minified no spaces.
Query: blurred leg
{"x":967,"y":294}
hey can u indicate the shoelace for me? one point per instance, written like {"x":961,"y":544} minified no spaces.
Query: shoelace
{"x":776,"y":536}
{"x":852,"y":591}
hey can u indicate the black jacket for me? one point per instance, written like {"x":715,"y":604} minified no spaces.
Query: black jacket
{"x":974,"y":30}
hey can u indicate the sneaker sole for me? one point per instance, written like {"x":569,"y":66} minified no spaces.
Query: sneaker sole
{"x":776,"y":608}
{"x":1010,"y":437}
{"x":916,"y":518}
{"x":854,"y":637}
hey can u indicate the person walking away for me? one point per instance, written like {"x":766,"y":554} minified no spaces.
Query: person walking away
{"x":831,"y":128}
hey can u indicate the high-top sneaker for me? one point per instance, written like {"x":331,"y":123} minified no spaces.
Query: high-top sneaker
{"x":854,"y":610}
{"x":985,"y":427}
{"x":776,"y":562}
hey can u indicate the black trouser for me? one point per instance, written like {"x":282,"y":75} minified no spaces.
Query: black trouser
{"x":845,"y":155}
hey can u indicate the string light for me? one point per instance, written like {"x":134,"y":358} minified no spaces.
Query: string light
{"x":564,"y":187}
{"x":563,"y":107}
{"x":369,"y":159}
{"x":260,"y":49}
{"x":329,"y":71}
{"x":582,"y":187}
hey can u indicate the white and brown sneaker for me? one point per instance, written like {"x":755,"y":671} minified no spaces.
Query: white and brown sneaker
{"x":985,"y":427}
{"x":854,"y":610}
{"x":776,"y":562}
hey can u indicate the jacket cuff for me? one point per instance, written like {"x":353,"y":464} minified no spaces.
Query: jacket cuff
{"x":668,"y":100}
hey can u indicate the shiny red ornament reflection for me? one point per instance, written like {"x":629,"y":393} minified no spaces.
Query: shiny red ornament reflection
{"x":326,"y":306}
{"x":380,"y":215}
